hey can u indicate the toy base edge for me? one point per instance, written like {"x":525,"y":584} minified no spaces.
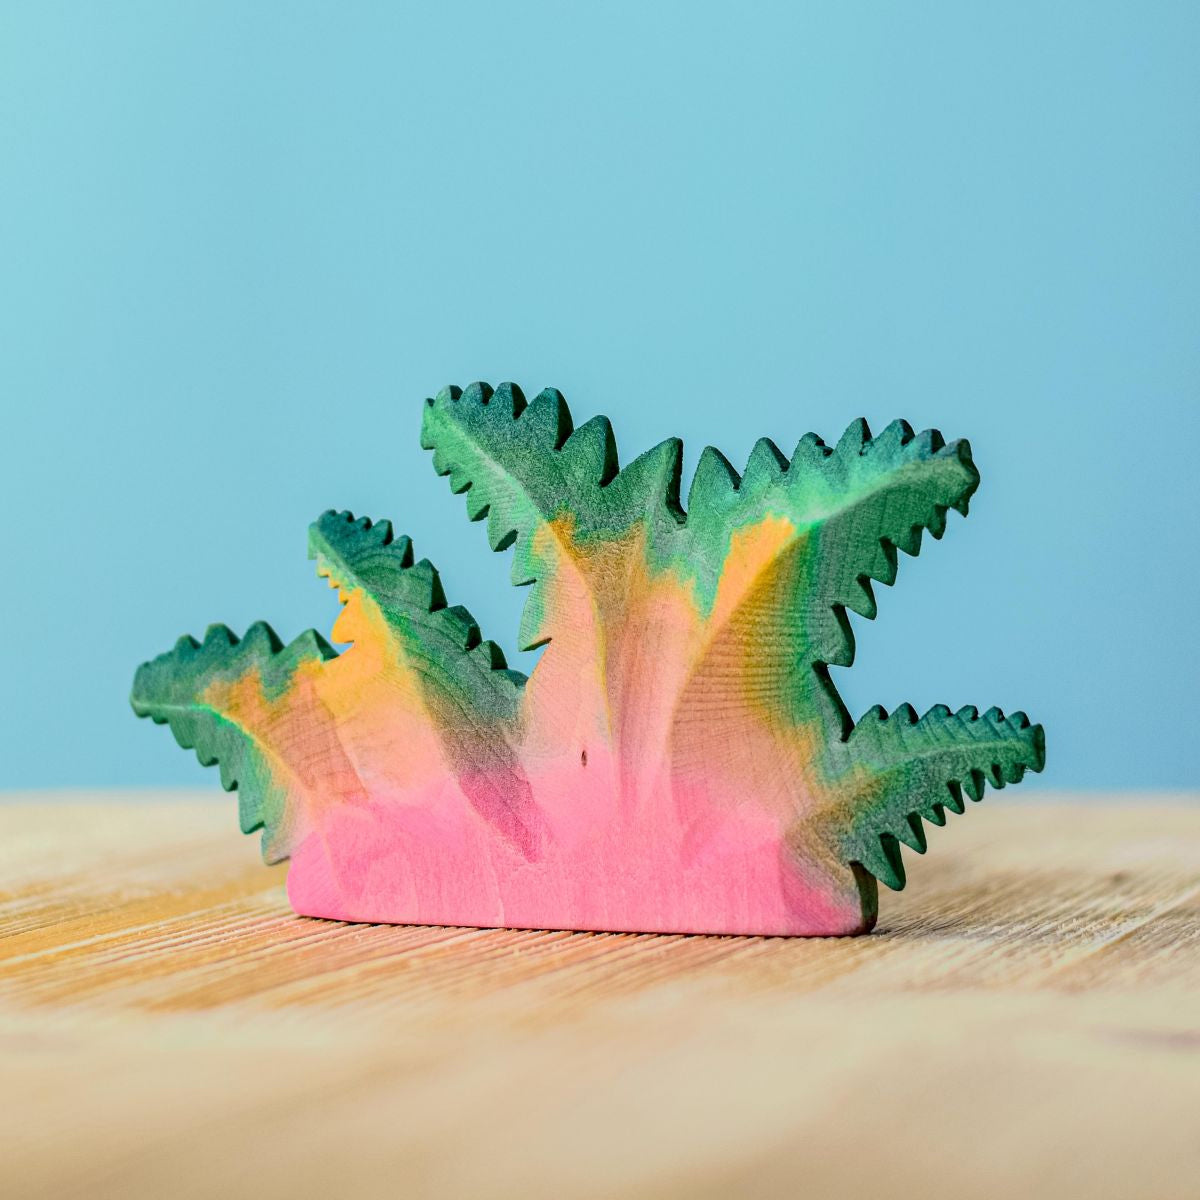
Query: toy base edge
{"x":868,"y":892}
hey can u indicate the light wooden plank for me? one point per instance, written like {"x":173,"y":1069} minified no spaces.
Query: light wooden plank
{"x":1025,"y":1021}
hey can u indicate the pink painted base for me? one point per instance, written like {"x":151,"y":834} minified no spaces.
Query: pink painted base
{"x":666,"y":864}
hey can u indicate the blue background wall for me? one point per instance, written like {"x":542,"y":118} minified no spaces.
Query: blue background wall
{"x":240,"y":243}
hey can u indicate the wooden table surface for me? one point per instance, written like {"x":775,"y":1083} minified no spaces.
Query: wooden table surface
{"x":1024,"y":1022}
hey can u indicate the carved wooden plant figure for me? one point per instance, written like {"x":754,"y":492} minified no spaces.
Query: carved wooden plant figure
{"x":678,"y":760}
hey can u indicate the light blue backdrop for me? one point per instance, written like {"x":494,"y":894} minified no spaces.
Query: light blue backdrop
{"x":240,"y":243}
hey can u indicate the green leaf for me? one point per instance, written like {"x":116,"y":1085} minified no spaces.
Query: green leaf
{"x":899,"y":770}
{"x":441,"y":643}
{"x":849,"y":508}
{"x":173,"y":689}
{"x":469,"y":699}
{"x":527,"y":470}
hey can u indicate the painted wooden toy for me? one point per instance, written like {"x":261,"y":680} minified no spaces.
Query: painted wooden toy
{"x":677,"y":761}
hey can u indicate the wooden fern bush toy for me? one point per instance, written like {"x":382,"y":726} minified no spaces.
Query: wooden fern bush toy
{"x":677,"y":761}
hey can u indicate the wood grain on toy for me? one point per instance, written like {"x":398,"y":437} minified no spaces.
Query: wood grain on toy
{"x":678,"y":760}
{"x":1023,"y":1023}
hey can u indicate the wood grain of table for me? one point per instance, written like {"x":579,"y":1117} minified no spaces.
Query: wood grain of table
{"x":1024,"y":1022}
